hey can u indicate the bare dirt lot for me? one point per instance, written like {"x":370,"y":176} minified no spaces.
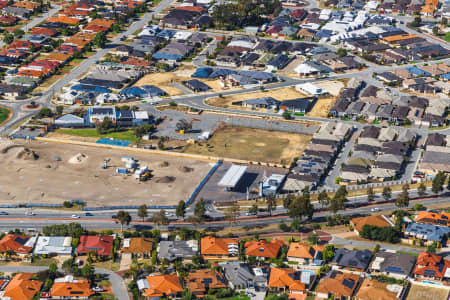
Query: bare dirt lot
{"x":253,"y":145}
{"x":418,"y":292}
{"x":52,"y":173}
{"x":333,"y":87}
{"x":163,"y":81}
{"x":281,"y":94}
{"x":322,"y":107}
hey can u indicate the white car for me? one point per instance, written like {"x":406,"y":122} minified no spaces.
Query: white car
{"x":75,"y":217}
{"x":29,"y":213}
{"x":374,"y":209}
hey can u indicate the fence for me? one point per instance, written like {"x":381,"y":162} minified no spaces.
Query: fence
{"x":127,"y":207}
{"x":20,"y":136}
{"x":113,"y":142}
{"x":200,"y":185}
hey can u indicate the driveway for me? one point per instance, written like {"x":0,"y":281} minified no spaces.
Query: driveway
{"x":118,"y":285}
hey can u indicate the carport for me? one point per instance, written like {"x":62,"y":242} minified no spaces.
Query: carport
{"x":232,"y":177}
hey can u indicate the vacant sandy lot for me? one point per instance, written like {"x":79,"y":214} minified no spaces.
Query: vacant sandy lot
{"x":37,"y":175}
{"x":287,"y":93}
{"x":418,"y":292}
{"x":322,"y":107}
{"x":253,"y":145}
{"x":333,"y":87}
{"x":163,"y":81}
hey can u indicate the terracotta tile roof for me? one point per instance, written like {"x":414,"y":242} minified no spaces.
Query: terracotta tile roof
{"x":431,"y":265}
{"x":60,"y":57}
{"x":339,"y":284}
{"x":64,"y":20}
{"x":81,"y":6}
{"x":190,"y":8}
{"x":46,"y":31}
{"x":163,"y":285}
{"x":198,"y":280}
{"x":44,"y":64}
{"x":14,"y":52}
{"x":68,"y":49}
{"x":8,"y":19}
{"x":77,"y":41}
{"x":100,"y":244}
{"x":95,"y":28}
{"x":80,"y":288}
{"x":300,"y":250}
{"x":297,"y":296}
{"x":374,"y":290}
{"x":284,"y":278}
{"x":31,"y":73}
{"x":27,"y":4}
{"x":216,"y":246}
{"x":399,"y":37}
{"x":442,"y":218}
{"x":136,"y":62}
{"x":102,"y":22}
{"x":139,"y":245}
{"x":74,"y":13}
{"x":379,"y":221}
{"x":23,"y":45}
{"x":263,"y":248}
{"x":21,"y":287}
{"x":15,"y":243}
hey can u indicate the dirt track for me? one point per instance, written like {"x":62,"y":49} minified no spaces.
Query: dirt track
{"x":47,"y":180}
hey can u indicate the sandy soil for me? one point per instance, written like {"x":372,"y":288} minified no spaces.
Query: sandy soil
{"x":418,"y":292}
{"x":333,"y":86}
{"x":46,"y":180}
{"x":289,"y":69}
{"x":286,"y":93}
{"x":163,"y":81}
{"x":322,"y":107}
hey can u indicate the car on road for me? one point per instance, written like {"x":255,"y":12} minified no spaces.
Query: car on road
{"x":88,"y":215}
{"x":75,"y":216}
{"x":3,"y":213}
{"x":373,"y":209}
{"x":29,"y":213}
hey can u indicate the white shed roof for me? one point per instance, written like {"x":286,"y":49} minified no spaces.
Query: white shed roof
{"x":232,"y":176}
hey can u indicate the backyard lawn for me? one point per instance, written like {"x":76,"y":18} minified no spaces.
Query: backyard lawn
{"x":252,"y":144}
{"x":126,"y":135}
{"x":4,"y":114}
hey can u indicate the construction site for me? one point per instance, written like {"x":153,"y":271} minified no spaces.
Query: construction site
{"x":48,"y":173}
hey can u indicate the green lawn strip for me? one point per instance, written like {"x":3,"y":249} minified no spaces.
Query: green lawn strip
{"x":4,"y":114}
{"x":126,"y":135}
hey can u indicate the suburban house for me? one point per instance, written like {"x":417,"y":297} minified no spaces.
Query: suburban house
{"x":426,"y":234}
{"x":379,"y":221}
{"x":397,"y":265}
{"x":22,"y":286}
{"x":337,"y":284}
{"x":300,"y":105}
{"x":200,"y":281}
{"x":241,"y":276}
{"x":262,"y":249}
{"x":289,"y":281}
{"x":212,"y":247}
{"x":173,"y":52}
{"x":196,"y":85}
{"x":160,"y":286}
{"x":173,"y":250}
{"x":431,"y":267}
{"x":69,"y":288}
{"x":102,"y":245}
{"x":18,"y":244}
{"x":374,"y":290}
{"x":139,"y":247}
{"x":51,"y":245}
{"x":431,"y":217}
{"x":264,"y":102}
{"x":305,"y":254}
{"x":352,"y":259}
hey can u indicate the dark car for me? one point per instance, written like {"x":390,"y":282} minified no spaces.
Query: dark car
{"x":3,"y":213}
{"x":88,"y":215}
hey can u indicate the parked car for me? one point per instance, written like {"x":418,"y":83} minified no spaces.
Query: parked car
{"x":75,"y":216}
{"x":3,"y":213}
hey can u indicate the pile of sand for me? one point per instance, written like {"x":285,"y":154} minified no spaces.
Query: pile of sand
{"x":78,"y":159}
{"x":27,"y":154}
{"x":185,"y":169}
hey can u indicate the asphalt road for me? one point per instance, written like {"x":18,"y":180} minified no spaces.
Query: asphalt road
{"x":118,"y":285}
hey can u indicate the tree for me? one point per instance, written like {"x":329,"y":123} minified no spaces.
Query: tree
{"x":67,"y":266}
{"x":115,"y":28}
{"x":432,"y":248}
{"x":183,"y":125}
{"x":53,"y":269}
{"x":88,"y":271}
{"x":253,"y":210}
{"x":232,"y":213}
{"x":8,"y":38}
{"x":301,"y":207}
{"x":341,"y":52}
{"x":286,"y":115}
{"x":160,"y":218}
{"x":140,"y":131}
{"x":271,"y":203}
{"x":181,"y":209}
{"x":438,"y":182}
{"x":328,"y":253}
{"x":370,"y":194}
{"x":338,"y":201}
{"x":100,"y":40}
{"x":45,"y":113}
{"x":288,"y":200}
{"x":417,"y":21}
{"x":403,"y":199}
{"x":376,"y":249}
{"x":323,"y":198}
{"x":18,"y":33}
{"x":421,"y":189}
{"x":200,"y":209}
{"x":313,"y":239}
{"x":387,"y":193}
{"x":124,"y":218}
{"x":142,"y":212}
{"x":418,"y":207}
{"x":104,"y":126}
{"x":435,"y":30}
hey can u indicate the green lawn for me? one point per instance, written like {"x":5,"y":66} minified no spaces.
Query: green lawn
{"x":4,"y":114}
{"x":447,"y":37}
{"x":126,"y":135}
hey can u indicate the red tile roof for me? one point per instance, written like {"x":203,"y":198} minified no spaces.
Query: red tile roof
{"x":15,"y":243}
{"x":283,"y":278}
{"x":431,"y":265}
{"x":216,"y":246}
{"x":263,"y":248}
{"x":190,"y":8}
{"x":163,"y":285}
{"x":23,"y":45}
{"x":21,"y":287}
{"x":102,"y":245}
{"x":46,"y":31}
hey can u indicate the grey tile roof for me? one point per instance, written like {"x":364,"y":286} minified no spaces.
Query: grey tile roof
{"x":401,"y":264}
{"x":357,"y":259}
{"x":176,"y":249}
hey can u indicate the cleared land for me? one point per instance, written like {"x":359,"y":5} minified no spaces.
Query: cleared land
{"x":50,"y":173}
{"x":333,"y":86}
{"x":322,"y":107}
{"x":253,"y":145}
{"x":418,"y":292}
{"x":163,"y":81}
{"x":126,"y":135}
{"x":281,"y":94}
